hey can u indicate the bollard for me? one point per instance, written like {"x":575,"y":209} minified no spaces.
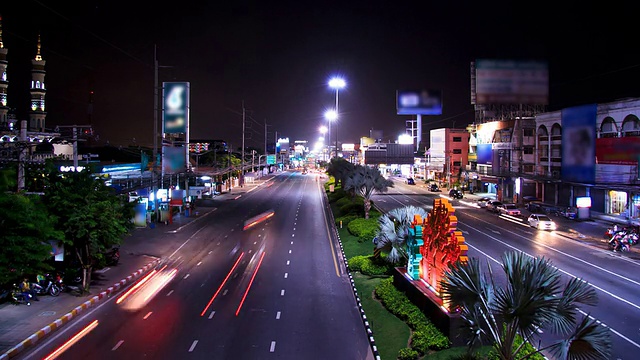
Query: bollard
{"x":340,"y":224}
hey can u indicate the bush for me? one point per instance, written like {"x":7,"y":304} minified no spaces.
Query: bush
{"x":408,"y":354}
{"x":368,"y":265}
{"x":425,"y":335}
{"x":346,"y":219}
{"x":351,"y":209}
{"x":364,"y":229}
{"x":524,"y":352}
{"x":343,"y":201}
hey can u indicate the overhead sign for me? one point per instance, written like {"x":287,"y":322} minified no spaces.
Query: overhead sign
{"x":271,"y":159}
{"x":175,"y":109}
{"x":510,"y":82}
{"x":425,"y":102}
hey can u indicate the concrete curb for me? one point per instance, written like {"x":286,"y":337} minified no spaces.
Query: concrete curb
{"x":40,"y":334}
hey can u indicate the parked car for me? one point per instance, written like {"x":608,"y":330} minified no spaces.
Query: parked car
{"x":434,"y":188}
{"x":456,"y":194}
{"x":482,"y":202}
{"x":493,"y":205}
{"x":509,"y":209}
{"x":568,"y":212}
{"x":541,"y":222}
{"x":410,"y":181}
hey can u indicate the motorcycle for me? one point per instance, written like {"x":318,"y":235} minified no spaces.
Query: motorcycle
{"x":19,"y":297}
{"x":46,"y":286}
{"x":622,"y":240}
{"x":113,"y":256}
{"x":72,"y":283}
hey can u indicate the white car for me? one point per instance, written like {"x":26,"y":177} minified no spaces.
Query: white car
{"x":492,"y":205}
{"x":509,"y":209}
{"x":482,"y":202}
{"x":541,"y":222}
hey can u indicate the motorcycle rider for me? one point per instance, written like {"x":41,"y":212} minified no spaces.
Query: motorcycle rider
{"x":25,"y":288}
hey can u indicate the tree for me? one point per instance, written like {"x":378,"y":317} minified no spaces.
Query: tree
{"x":24,"y":239}
{"x":90,"y":214}
{"x":532,"y":301}
{"x":340,"y":169}
{"x":394,"y":229}
{"x":365,"y":181}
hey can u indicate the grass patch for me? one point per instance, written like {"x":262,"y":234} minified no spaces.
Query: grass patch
{"x":351,"y":246}
{"x":456,"y":352}
{"x":391,"y":334}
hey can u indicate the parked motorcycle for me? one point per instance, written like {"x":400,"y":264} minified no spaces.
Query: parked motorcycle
{"x":46,"y":286}
{"x":623,"y":240}
{"x":113,"y":256}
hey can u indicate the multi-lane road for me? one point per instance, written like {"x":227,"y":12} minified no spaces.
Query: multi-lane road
{"x":259,"y":278}
{"x":616,"y":278}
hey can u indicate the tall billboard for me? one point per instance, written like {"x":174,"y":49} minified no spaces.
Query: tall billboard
{"x":578,"y":144}
{"x":175,"y":107}
{"x":510,"y":82}
{"x":424,"y":102}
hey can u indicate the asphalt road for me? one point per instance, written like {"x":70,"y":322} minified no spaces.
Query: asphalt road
{"x":224,"y":290}
{"x":616,"y":278}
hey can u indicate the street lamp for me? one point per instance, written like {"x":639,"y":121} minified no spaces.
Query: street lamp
{"x":323,"y":130}
{"x":337,"y":83}
{"x":332,"y":115}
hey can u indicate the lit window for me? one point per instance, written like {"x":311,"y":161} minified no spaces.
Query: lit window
{"x":34,"y":105}
{"x":37,"y":84}
{"x":4,"y":76}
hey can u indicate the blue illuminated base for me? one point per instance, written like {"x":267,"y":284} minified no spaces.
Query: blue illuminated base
{"x":430,"y":304}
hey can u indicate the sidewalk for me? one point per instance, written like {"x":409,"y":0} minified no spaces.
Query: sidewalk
{"x":22,"y":326}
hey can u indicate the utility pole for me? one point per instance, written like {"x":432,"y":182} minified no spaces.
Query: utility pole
{"x":265,"y":136}
{"x":242,"y":162}
{"x":154,"y":185}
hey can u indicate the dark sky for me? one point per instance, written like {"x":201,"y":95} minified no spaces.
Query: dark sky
{"x":278,"y":56}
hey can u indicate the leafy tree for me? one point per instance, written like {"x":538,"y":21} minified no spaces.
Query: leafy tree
{"x":532,"y":301}
{"x":8,"y":179}
{"x":91,"y":215}
{"x":340,"y":168}
{"x":394,"y":229}
{"x":24,"y":239}
{"x":365,"y":181}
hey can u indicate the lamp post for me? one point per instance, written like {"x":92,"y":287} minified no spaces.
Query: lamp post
{"x":337,"y":83}
{"x":332,"y":115}
{"x":323,"y":130}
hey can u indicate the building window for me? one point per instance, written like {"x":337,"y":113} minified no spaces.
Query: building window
{"x":528,"y":150}
{"x":457,"y":139}
{"x":457,"y":151}
{"x":528,"y":132}
{"x":37,"y":84}
{"x":4,"y":76}
{"x":457,"y":163}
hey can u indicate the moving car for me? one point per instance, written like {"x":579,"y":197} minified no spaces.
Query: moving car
{"x":509,"y":209}
{"x":410,"y":181}
{"x":456,"y":194}
{"x":541,"y":222}
{"x":493,"y":205}
{"x":434,"y":188}
{"x":482,"y":202}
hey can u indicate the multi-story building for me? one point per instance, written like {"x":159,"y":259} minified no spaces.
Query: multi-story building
{"x":448,"y":155}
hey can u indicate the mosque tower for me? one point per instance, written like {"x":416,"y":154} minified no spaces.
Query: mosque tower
{"x":37,"y":114}
{"x":4,"y":109}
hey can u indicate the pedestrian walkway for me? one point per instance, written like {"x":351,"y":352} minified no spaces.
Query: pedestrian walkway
{"x":21,"y":326}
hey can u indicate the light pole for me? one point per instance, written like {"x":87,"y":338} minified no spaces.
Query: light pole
{"x":323,"y":130}
{"x":332,"y":115}
{"x":337,"y":83}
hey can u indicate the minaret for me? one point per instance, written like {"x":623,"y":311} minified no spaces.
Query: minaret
{"x":4,"y":109}
{"x":37,"y":114}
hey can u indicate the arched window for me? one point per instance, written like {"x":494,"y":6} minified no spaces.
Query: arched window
{"x":631,"y":126}
{"x":556,"y":132}
{"x":37,"y":84}
{"x":608,"y":128}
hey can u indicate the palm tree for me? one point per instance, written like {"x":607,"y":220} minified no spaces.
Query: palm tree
{"x":340,"y":169}
{"x":532,"y":300}
{"x":364,"y":181}
{"x":394,"y":228}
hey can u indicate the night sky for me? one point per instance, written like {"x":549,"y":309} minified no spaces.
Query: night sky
{"x":277,"y":57}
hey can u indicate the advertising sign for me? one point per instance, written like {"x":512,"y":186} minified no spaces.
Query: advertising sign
{"x":425,"y":102}
{"x":175,"y":108}
{"x":511,"y":82}
{"x":578,"y":143}
{"x":173,"y":159}
{"x":618,"y":150}
{"x":485,"y":154}
{"x":271,"y":159}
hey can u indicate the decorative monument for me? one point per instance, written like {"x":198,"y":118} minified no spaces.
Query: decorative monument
{"x":433,"y":244}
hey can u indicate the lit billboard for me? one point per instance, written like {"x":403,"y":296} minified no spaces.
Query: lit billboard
{"x":510,"y":82}
{"x":425,"y":102}
{"x":578,"y":143}
{"x":175,"y":107}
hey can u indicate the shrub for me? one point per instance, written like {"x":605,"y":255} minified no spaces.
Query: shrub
{"x":351,"y":209}
{"x":368,"y":265}
{"x":346,"y":219}
{"x":408,"y":354}
{"x":343,"y":201}
{"x":425,"y":334}
{"x":364,"y":229}
{"x":524,"y":352}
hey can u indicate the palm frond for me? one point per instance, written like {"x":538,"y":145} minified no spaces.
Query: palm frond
{"x":589,"y":341}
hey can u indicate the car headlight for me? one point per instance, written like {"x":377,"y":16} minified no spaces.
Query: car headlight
{"x":553,"y":226}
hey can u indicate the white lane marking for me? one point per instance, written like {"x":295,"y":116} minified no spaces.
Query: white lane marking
{"x":211,"y":315}
{"x":289,"y":251}
{"x":292,"y":235}
{"x":186,"y":276}
{"x":117,"y":345}
{"x":193,"y":346}
{"x":278,"y":315}
{"x":148,"y":314}
{"x":255,"y":242}
{"x":170,"y":292}
{"x":282,"y":292}
{"x":495,"y":231}
{"x":102,"y":271}
{"x":273,"y":346}
{"x":210,"y":252}
{"x":198,"y":264}
{"x":286,"y":275}
{"x":292,"y":243}
{"x":294,"y":229}
{"x":218,"y":243}
{"x":249,"y":251}
{"x":288,"y":262}
{"x":185,"y":243}
{"x":225,"y":292}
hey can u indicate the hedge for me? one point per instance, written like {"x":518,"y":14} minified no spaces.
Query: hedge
{"x":364,"y":229}
{"x":368,"y":265}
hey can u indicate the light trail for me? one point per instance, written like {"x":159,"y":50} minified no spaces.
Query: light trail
{"x":222,"y":285}
{"x":74,"y":339}
{"x":250,"y":282}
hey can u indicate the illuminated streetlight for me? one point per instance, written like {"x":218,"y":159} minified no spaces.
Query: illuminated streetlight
{"x":332,"y":115}
{"x":337,"y":83}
